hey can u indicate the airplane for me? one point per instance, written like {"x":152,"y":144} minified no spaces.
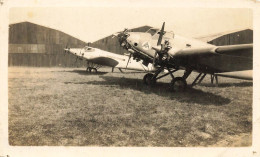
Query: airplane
{"x":96,"y":58}
{"x":166,"y":50}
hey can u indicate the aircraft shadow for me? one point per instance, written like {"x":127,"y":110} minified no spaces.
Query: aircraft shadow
{"x":191,"y":95}
{"x":222,"y":85}
{"x":84,"y":72}
{"x":130,"y":72}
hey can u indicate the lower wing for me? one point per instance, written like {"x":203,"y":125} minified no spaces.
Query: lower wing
{"x":245,"y":75}
{"x":218,"y":59}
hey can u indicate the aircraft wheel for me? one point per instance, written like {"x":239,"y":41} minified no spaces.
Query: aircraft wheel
{"x":94,"y":70}
{"x":148,"y":79}
{"x":88,"y":69}
{"x":178,"y":84}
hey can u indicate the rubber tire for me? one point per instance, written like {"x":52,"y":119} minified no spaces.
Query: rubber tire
{"x":147,"y":80}
{"x":94,"y":70}
{"x":88,"y":69}
{"x":178,"y":84}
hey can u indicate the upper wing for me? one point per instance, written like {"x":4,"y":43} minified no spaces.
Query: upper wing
{"x":237,"y":50}
{"x":243,"y":50}
{"x":234,"y":47}
{"x":192,"y":51}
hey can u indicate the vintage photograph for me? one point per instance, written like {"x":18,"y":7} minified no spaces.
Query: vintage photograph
{"x":130,"y":76}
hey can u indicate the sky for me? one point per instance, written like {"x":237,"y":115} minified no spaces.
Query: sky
{"x":93,"y":23}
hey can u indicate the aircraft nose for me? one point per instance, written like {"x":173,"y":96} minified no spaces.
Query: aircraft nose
{"x":133,"y":39}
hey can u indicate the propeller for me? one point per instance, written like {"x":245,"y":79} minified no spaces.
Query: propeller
{"x":159,"y":43}
{"x":161,"y":35}
{"x":122,"y":36}
{"x":80,"y":57}
{"x":66,"y":50}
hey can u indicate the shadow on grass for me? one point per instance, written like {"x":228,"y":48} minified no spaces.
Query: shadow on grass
{"x":84,"y":72}
{"x":191,"y":95}
{"x":237,"y":84}
{"x":128,"y":71}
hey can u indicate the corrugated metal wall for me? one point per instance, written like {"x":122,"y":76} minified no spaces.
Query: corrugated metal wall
{"x":27,"y":48}
{"x":35,"y":45}
{"x":241,"y":37}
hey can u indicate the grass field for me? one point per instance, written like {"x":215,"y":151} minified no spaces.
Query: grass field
{"x":69,"y":107}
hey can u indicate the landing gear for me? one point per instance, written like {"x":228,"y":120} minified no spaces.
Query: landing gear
{"x":178,"y":84}
{"x":198,"y":79}
{"x":118,"y":69}
{"x":94,"y":70}
{"x":149,"y":79}
{"x":212,"y":77}
{"x":89,"y":69}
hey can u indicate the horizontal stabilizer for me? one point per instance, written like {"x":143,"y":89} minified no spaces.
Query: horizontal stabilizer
{"x":245,"y":75}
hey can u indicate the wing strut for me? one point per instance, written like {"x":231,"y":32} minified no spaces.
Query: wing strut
{"x":200,"y":78}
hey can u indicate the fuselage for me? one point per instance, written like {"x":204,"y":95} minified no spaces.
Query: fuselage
{"x":144,"y":42}
{"x":105,"y":58}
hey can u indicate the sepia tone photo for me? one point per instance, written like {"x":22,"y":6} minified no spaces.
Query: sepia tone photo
{"x":82,"y":76}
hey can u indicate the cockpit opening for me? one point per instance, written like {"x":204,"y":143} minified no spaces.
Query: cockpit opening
{"x":152,"y":31}
{"x":88,"y":49}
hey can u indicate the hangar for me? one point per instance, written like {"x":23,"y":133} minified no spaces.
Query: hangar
{"x":38,"y":46}
{"x":244,"y":36}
